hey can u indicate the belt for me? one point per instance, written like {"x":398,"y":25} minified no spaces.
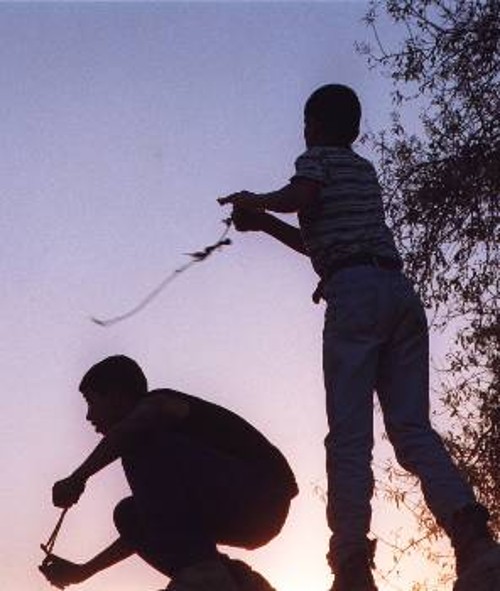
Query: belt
{"x":357,"y":260}
{"x":386,"y":263}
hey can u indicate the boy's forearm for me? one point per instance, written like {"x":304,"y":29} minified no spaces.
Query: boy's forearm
{"x":284,"y":233}
{"x":299,"y":194}
{"x":107,"y":451}
{"x":119,"y":550}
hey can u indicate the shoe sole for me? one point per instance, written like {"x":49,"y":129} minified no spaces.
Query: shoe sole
{"x":245,"y":577}
{"x":483,"y":575}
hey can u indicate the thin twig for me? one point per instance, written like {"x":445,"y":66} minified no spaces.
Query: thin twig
{"x":196,"y":257}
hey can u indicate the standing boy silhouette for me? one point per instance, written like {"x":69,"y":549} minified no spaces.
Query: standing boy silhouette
{"x":375,"y":339}
{"x":200,"y":476}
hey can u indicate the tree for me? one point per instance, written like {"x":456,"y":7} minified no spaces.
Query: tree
{"x":443,"y":190}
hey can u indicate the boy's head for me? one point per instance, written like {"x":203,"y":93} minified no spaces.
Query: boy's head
{"x":332,"y":115}
{"x":112,"y":388}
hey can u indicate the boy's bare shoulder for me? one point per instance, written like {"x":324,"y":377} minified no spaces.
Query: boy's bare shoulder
{"x":164,"y":404}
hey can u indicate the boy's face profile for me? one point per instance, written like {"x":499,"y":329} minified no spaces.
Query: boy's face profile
{"x":104,"y":410}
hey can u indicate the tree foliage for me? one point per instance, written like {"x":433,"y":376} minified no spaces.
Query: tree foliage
{"x":442,"y":185}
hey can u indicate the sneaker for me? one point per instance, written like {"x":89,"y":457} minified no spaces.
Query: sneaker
{"x":246,"y":578}
{"x":483,"y":574}
{"x":209,"y":575}
{"x":355,"y":572}
{"x":471,"y":537}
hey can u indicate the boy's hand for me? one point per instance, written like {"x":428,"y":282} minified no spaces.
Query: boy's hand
{"x":247,"y":220}
{"x":61,"y":573}
{"x":242,"y":199}
{"x":67,"y":492}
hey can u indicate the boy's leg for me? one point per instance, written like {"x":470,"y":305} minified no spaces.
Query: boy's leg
{"x":129,"y":527}
{"x":404,"y":395}
{"x":203,"y":575}
{"x":238,"y":503}
{"x":350,"y":357}
{"x":203,"y":498}
{"x":403,"y":390}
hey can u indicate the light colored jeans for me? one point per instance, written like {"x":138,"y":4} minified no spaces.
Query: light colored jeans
{"x":376,"y":339}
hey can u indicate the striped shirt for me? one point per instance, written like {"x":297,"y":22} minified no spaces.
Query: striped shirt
{"x":348,"y":218}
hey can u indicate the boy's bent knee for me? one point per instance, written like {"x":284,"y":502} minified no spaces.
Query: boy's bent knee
{"x":125,"y":519}
{"x":411,"y":442}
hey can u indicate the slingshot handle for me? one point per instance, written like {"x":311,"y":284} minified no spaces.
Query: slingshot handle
{"x":49,"y":546}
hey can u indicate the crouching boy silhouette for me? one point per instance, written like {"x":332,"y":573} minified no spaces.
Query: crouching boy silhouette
{"x":199,"y":474}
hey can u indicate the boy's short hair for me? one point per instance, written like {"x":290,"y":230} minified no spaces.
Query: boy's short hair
{"x":337,"y":110}
{"x":117,"y":372}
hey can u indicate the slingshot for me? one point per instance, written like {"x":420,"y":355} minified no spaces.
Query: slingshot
{"x":49,"y":545}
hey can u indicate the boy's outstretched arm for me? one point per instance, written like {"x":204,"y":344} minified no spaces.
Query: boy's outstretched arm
{"x":246,"y":220}
{"x":249,"y":210}
{"x":61,"y":573}
{"x":299,"y":194}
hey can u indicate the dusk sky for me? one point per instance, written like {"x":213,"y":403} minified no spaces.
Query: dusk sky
{"x":121,"y":123}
